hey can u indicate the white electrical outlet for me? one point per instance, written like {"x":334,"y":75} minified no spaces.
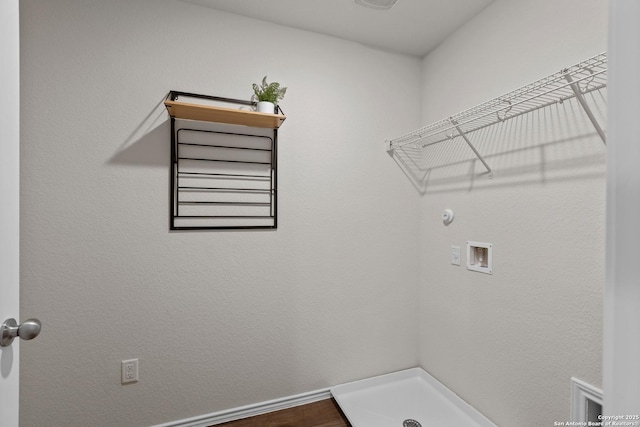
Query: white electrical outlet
{"x":129,"y":371}
{"x":455,"y":255}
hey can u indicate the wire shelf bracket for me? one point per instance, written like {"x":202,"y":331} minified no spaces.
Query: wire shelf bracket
{"x":585,"y":106}
{"x":473,"y":148}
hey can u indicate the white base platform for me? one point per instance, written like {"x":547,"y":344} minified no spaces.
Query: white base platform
{"x":412,"y":394}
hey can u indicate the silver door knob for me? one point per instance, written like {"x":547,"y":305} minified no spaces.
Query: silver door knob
{"x":28,"y":330}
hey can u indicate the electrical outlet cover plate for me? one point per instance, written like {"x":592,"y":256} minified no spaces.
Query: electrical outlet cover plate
{"x":480,"y":257}
{"x":129,"y":371}
{"x":455,"y":255}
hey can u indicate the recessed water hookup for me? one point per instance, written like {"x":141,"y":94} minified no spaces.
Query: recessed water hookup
{"x":480,"y":257}
{"x":447,"y":216}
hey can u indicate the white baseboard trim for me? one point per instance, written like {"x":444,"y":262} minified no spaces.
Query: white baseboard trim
{"x":251,"y":410}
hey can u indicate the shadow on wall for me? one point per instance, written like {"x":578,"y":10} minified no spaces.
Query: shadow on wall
{"x":148,"y":144}
{"x":557,"y":142}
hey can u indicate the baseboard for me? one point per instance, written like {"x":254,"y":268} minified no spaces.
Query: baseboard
{"x":250,"y":410}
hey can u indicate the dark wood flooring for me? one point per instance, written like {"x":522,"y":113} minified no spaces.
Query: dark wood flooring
{"x":324,"y":413}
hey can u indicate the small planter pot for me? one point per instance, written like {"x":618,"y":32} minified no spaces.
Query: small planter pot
{"x":266,"y":107}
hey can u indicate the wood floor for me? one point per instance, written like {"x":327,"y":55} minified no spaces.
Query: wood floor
{"x":324,"y":413}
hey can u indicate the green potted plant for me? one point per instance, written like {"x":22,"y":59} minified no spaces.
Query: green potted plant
{"x":267,"y":95}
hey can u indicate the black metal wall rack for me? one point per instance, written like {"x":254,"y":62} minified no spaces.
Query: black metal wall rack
{"x":223,"y":163}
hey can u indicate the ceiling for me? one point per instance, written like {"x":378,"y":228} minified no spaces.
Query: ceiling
{"x":411,"y":27}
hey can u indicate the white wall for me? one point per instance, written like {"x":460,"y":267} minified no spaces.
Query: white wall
{"x":217,"y":319}
{"x":622,"y":293}
{"x":223,"y":319}
{"x":509,"y":343}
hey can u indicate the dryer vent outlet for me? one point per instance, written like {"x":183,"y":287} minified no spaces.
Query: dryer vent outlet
{"x":586,"y":403}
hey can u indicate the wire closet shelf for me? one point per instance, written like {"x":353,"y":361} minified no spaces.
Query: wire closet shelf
{"x":572,"y":82}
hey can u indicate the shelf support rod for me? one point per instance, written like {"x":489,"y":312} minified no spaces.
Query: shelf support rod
{"x":464,"y":136}
{"x":585,"y":107}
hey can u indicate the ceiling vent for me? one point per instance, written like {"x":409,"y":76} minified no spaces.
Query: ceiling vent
{"x":377,"y":4}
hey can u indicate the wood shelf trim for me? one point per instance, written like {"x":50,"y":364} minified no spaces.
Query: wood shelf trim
{"x":210,"y":113}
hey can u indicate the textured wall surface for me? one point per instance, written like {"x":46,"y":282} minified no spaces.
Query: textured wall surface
{"x":217,"y":319}
{"x":509,"y":342}
{"x":223,"y":319}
